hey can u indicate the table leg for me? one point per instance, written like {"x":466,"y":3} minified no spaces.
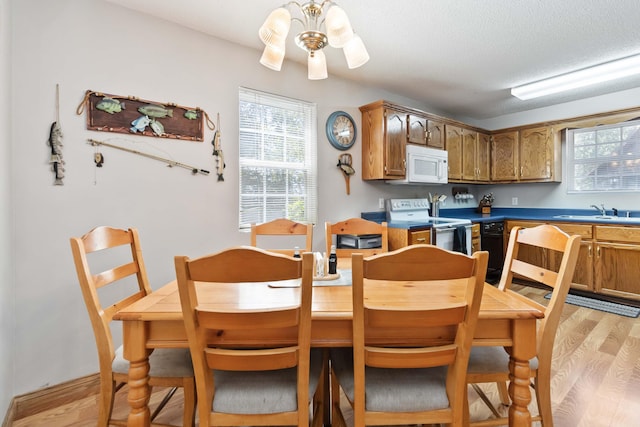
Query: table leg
{"x":137,"y":354}
{"x":524,"y":348}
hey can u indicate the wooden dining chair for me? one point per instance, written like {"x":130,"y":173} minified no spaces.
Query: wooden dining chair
{"x":425,"y":383}
{"x":491,"y":364}
{"x":269,"y":385}
{"x":284,"y":227}
{"x":168,"y":367}
{"x":356,"y":226}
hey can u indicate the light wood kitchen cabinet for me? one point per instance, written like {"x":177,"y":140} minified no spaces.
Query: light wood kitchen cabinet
{"x":617,"y":261}
{"x":435,"y":134}
{"x":384,"y":137}
{"x":526,"y":155}
{"x":469,"y":148}
{"x":608,"y":262}
{"x":483,"y":157}
{"x":535,"y":154}
{"x":534,"y":255}
{"x":401,"y":237}
{"x":416,"y":129}
{"x":504,"y":156}
{"x":453,"y":144}
{"x":583,"y":276}
{"x":476,"y":148}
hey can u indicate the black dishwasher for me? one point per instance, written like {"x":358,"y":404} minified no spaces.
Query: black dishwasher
{"x":491,"y":240}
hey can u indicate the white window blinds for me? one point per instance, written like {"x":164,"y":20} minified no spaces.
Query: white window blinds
{"x":278,"y":166}
{"x":604,"y":158}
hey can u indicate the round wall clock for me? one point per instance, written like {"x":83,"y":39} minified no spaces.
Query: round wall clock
{"x":341,"y":130}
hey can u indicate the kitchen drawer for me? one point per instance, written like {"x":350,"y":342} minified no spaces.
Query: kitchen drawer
{"x":420,"y":237}
{"x":400,"y":237}
{"x":617,"y":234}
{"x":524,"y":224}
{"x":582,"y":230}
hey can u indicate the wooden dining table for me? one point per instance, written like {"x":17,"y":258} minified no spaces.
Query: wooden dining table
{"x":505,"y":319}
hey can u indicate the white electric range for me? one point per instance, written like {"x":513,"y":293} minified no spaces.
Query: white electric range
{"x":414,"y":213}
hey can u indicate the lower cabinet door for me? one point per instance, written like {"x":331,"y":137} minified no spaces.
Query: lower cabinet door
{"x":617,"y":268}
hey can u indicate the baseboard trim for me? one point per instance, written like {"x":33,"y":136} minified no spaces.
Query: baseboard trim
{"x":51,"y":397}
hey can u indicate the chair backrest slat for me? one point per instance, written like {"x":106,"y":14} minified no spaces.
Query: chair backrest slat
{"x":283,"y":227}
{"x":252,"y":360}
{"x":283,"y":318}
{"x":114,"y":274}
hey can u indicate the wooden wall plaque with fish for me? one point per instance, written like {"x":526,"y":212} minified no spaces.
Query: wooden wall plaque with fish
{"x":132,"y":115}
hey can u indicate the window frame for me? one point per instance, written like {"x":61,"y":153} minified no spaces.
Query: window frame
{"x":606,"y":168}
{"x":290,"y":172}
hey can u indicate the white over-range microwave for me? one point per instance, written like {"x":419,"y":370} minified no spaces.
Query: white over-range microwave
{"x":424,"y":166}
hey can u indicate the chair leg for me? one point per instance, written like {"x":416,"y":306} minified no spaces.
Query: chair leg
{"x":543,"y":397}
{"x":105,"y":401}
{"x":189,"y":414}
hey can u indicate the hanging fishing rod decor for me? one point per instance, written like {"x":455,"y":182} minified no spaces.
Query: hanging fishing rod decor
{"x":99,"y":158}
{"x":132,"y":115}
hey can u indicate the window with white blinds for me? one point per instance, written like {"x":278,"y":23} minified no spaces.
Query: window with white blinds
{"x":278,"y":166}
{"x":604,"y":158}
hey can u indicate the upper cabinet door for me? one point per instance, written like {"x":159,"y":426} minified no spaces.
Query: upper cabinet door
{"x":395,"y":143}
{"x":453,"y":144}
{"x":504,"y":156}
{"x":483,"y":157}
{"x":536,"y":153}
{"x":469,"y":143}
{"x":435,"y":134}
{"x":417,"y":129}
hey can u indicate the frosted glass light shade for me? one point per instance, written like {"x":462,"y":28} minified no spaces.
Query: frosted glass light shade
{"x":276,"y":27}
{"x":317,"y":65}
{"x":355,"y":52}
{"x":272,"y":57}
{"x":339,"y":31}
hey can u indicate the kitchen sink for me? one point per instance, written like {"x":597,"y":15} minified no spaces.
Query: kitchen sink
{"x":622,"y":219}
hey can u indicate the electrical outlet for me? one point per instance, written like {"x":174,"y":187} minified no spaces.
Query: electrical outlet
{"x":514,"y":201}
{"x":381,"y":203}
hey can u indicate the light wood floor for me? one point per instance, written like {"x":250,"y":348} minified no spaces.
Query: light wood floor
{"x":596,"y":377}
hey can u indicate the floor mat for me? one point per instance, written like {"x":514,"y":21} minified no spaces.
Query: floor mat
{"x":596,"y":304}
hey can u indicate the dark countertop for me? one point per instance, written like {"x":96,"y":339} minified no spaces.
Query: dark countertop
{"x":502,"y":214}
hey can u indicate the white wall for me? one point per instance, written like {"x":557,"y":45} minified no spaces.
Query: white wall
{"x":6,"y":277}
{"x":90,"y":44}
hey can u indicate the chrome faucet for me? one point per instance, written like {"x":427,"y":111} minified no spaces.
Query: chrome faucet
{"x":601,"y":209}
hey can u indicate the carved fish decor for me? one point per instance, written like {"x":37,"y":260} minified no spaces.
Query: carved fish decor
{"x":130,"y":114}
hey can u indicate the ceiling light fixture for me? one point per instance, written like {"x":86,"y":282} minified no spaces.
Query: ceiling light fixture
{"x":337,"y":33}
{"x":588,"y":76}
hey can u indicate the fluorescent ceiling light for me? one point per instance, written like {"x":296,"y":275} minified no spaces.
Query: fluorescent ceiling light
{"x":588,"y":76}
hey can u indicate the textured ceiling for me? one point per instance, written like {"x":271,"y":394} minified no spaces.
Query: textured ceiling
{"x":460,"y":56}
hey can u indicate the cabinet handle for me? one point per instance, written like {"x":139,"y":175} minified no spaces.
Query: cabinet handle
{"x":428,"y":135}
{"x":590,"y":251}
{"x":598,"y":252}
{"x":421,"y":239}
